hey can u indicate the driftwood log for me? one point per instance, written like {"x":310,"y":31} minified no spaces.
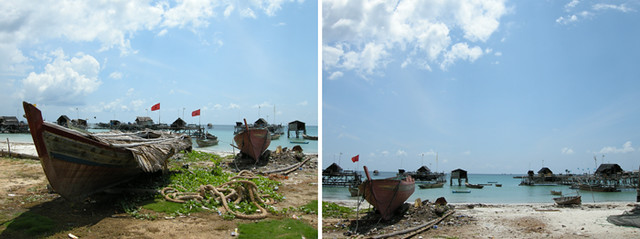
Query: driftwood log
{"x":415,"y":230}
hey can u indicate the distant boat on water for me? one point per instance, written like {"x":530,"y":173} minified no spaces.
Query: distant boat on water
{"x":598,"y":188}
{"x":556,"y":192}
{"x":474,"y":185}
{"x":308,"y":137}
{"x":79,"y":164}
{"x":386,"y":195}
{"x":430,"y":185}
{"x":206,"y":140}
{"x":461,"y":191}
{"x":376,"y":172}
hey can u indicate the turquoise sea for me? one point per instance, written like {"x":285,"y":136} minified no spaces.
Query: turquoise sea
{"x":510,"y":192}
{"x":224,"y":134}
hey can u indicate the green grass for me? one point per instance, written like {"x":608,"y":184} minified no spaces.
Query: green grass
{"x":330,"y":209}
{"x":190,"y":180}
{"x":310,"y":208}
{"x":285,"y":228}
{"x":30,"y":224}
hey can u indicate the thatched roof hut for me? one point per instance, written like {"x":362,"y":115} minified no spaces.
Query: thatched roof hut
{"x":607,"y":169}
{"x":545,"y":172}
{"x":63,"y":120}
{"x":296,"y":126}
{"x":144,"y":121}
{"x":424,"y":169}
{"x":332,"y":169}
{"x":178,"y":124}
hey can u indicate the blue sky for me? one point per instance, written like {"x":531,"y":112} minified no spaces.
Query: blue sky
{"x":491,"y":86}
{"x":115,"y":59}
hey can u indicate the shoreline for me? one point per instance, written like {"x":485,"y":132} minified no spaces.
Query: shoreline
{"x":517,"y":220}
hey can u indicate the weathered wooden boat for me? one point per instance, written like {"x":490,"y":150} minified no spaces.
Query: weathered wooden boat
{"x":275,"y":136}
{"x":598,"y":188}
{"x":430,"y":185}
{"x":308,"y":137}
{"x":252,"y":141}
{"x":473,"y":185}
{"x":207,"y":140}
{"x":386,"y":195}
{"x":556,"y":192}
{"x":568,"y":200}
{"x":461,"y":191}
{"x":498,"y":185}
{"x":355,"y":192}
{"x":79,"y":164}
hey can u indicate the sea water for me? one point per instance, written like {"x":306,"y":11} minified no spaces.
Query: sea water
{"x":510,"y":192}
{"x":225,"y":138}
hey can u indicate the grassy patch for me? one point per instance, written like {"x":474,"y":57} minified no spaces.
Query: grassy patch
{"x":189,"y":180}
{"x":310,"y":208}
{"x":285,"y":228}
{"x":330,"y":209}
{"x":30,"y":224}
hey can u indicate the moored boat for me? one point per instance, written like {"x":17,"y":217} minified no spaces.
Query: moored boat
{"x":568,"y":200}
{"x":474,"y":185}
{"x":598,"y":188}
{"x":430,"y":185}
{"x":207,"y":140}
{"x":386,"y":195}
{"x":354,"y":191}
{"x":556,"y":192}
{"x":252,"y":141}
{"x":309,"y":137}
{"x":461,"y":191}
{"x":79,"y":164}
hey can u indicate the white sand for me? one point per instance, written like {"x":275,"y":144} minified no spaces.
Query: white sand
{"x":536,"y":220}
{"x":21,"y":148}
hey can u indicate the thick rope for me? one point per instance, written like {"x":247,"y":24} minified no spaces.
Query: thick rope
{"x":236,"y":190}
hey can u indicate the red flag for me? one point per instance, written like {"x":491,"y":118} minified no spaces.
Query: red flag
{"x":355,"y":158}
{"x":155,"y":107}
{"x":195,"y":113}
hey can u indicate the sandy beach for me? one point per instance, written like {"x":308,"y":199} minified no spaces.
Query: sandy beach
{"x":543,"y":220}
{"x":24,"y":190}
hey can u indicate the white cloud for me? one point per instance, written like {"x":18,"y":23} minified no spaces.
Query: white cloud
{"x":498,"y":53}
{"x":429,"y":153}
{"x":64,"y":81}
{"x":228,"y":10}
{"x":401,"y":152}
{"x":233,"y":106}
{"x":466,"y":152}
{"x":626,"y":148}
{"x":604,"y":6}
{"x":571,"y":4}
{"x":248,"y":13}
{"x":163,"y":32}
{"x":460,"y":51}
{"x":567,"y":151}
{"x":335,"y":75}
{"x":303,"y":103}
{"x":263,"y":105}
{"x":115,"y":75}
{"x":360,"y":35}
{"x":348,"y":136}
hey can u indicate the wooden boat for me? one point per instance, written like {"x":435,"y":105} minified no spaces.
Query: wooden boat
{"x":386,"y":195}
{"x":298,"y":142}
{"x":485,"y":184}
{"x":79,"y":164}
{"x":207,"y":140}
{"x":275,"y":136}
{"x":556,"y":192}
{"x":498,"y":185}
{"x":598,"y":188}
{"x":568,"y":200}
{"x":252,"y":141}
{"x":473,"y":185}
{"x":354,"y":191}
{"x":461,"y":191}
{"x":430,"y":185}
{"x":375,"y":172}
{"x":492,"y":182}
{"x":308,"y":137}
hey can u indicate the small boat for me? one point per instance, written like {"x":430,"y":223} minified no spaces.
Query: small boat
{"x":598,"y":188}
{"x":275,"y":136}
{"x":252,"y":141}
{"x":430,"y":185}
{"x":473,"y":185}
{"x":375,"y":172}
{"x":79,"y":164}
{"x":308,"y":137}
{"x":386,"y":195}
{"x":461,"y":191}
{"x":207,"y":140}
{"x":492,"y":182}
{"x":568,"y":200}
{"x":485,"y":184}
{"x":498,"y":185}
{"x":298,"y":142}
{"x":354,"y":191}
{"x":556,"y":192}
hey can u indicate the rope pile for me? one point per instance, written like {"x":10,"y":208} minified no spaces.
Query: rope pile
{"x":237,"y":189}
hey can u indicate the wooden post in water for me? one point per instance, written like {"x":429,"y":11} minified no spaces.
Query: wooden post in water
{"x":9,"y":147}
{"x":638,"y":186}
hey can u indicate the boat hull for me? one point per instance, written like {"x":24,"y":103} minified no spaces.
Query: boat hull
{"x":430,"y":185}
{"x":386,"y":195}
{"x":253,"y":142}
{"x":77,"y":166}
{"x":597,"y":188}
{"x":206,"y":142}
{"x":569,"y":200}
